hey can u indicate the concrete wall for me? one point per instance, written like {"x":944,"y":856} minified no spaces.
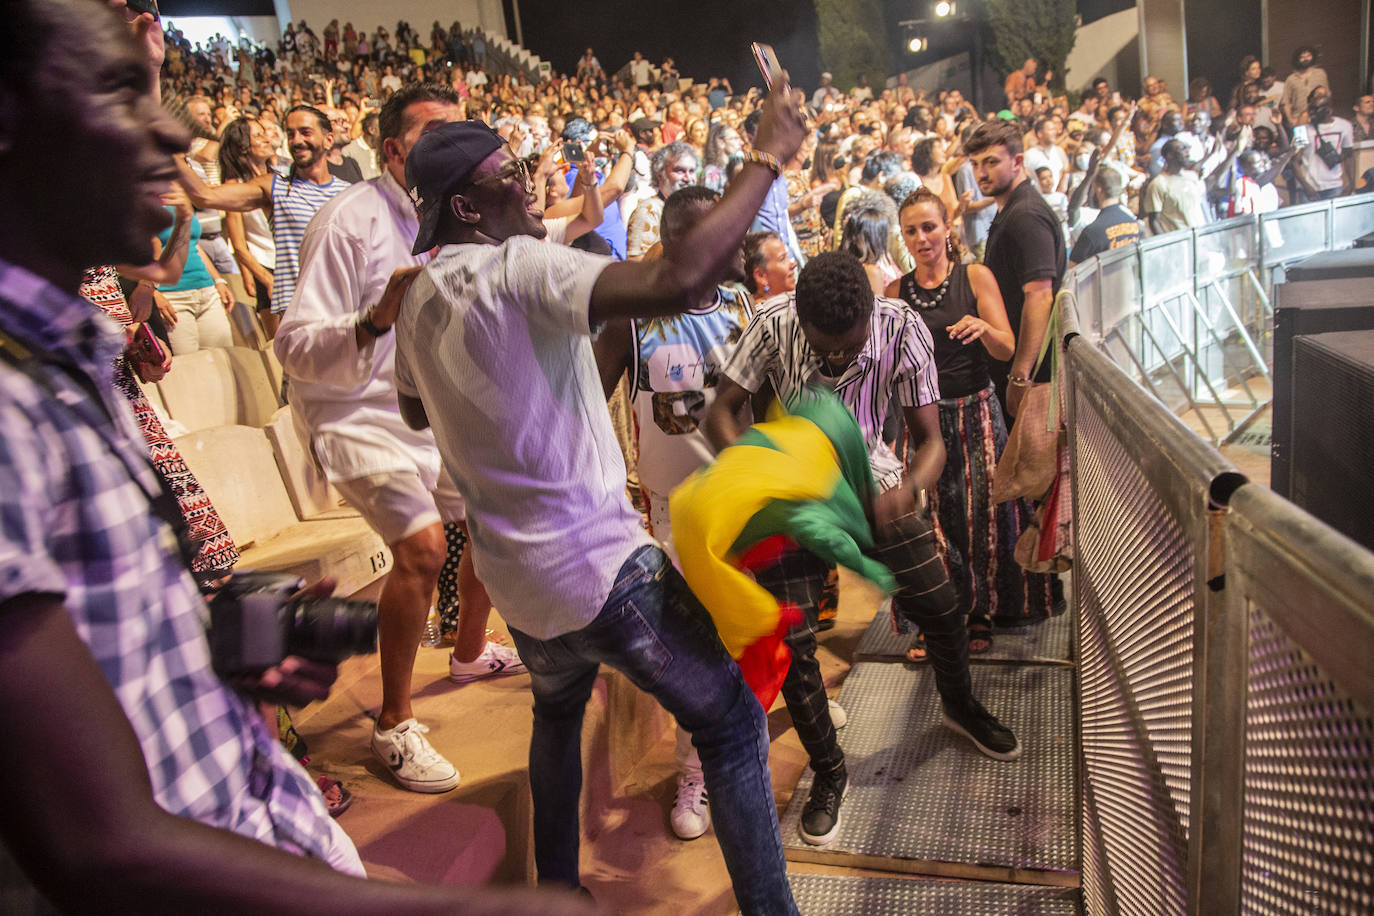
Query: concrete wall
{"x":1106,"y":48}
{"x":367,"y":14}
{"x":1335,"y":30}
{"x":1162,"y":51}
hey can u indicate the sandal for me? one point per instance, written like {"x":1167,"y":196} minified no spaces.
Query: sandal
{"x":979,"y":638}
{"x":916,"y":652}
{"x":336,"y":798}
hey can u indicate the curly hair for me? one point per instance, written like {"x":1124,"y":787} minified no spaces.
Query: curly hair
{"x":833,"y":292}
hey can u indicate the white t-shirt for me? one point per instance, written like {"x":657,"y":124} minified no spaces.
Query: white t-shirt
{"x":1338,"y":133}
{"x":495,"y":341}
{"x":1054,"y":159}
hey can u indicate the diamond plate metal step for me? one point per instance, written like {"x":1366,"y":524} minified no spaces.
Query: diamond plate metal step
{"x":1051,"y":640}
{"x":838,"y":895}
{"x":922,"y":799}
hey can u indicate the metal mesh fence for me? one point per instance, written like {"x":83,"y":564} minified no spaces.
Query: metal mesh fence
{"x":1309,"y":781}
{"x":1134,"y":577}
{"x":1307,"y":595}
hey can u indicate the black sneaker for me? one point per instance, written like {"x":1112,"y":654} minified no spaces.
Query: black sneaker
{"x":982,"y":728}
{"x":820,"y":819}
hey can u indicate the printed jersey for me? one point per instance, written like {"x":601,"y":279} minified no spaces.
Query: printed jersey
{"x":677,"y":364}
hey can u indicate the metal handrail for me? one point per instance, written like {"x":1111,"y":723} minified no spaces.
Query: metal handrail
{"x":1265,"y":249}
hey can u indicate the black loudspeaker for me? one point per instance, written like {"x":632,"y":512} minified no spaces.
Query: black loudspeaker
{"x":1329,"y":292}
{"x":1332,"y":473}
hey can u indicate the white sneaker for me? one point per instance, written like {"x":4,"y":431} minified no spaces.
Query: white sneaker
{"x":494,"y":660}
{"x":412,"y":760}
{"x":838,"y":717}
{"x":690,"y":817}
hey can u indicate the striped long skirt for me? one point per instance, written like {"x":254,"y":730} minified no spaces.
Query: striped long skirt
{"x":977,"y":538}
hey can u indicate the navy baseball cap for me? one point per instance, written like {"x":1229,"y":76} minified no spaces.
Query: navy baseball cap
{"x":438,"y":161}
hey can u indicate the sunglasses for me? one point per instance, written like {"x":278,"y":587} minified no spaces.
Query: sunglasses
{"x":516,"y":168}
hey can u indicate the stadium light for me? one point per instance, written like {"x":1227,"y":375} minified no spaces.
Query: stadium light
{"x":944,"y":9}
{"x":917,"y":44}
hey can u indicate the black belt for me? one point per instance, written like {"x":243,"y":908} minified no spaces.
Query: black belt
{"x":209,"y":236}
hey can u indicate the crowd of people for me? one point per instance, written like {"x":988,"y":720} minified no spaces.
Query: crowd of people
{"x":457,"y":268}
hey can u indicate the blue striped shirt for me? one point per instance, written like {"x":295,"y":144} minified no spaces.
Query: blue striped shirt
{"x":293,"y":204}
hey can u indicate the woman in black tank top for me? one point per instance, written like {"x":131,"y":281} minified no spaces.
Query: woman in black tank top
{"x":962,"y":307}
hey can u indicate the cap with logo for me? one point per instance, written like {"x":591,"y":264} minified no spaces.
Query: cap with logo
{"x":438,"y":161}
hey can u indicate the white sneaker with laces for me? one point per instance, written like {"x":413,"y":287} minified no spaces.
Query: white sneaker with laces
{"x":690,"y":816}
{"x":838,"y":717}
{"x":412,"y":760}
{"x":495,"y":660}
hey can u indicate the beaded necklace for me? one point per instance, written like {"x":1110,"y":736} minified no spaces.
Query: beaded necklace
{"x":920,"y":293}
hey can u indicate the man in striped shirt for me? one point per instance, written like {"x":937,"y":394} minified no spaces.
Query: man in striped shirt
{"x":833,"y":332}
{"x":292,"y":200}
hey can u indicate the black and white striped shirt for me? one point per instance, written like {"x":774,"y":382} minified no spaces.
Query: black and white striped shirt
{"x":897,"y":361}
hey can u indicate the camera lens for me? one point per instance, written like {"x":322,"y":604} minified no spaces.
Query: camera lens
{"x":332,"y":629}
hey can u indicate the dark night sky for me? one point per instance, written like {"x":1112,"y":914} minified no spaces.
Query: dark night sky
{"x":706,"y":37}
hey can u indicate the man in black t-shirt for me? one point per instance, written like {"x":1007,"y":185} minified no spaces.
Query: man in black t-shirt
{"x":1025,"y":252}
{"x":1115,"y":226}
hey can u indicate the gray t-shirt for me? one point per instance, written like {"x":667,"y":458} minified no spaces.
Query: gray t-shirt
{"x":495,"y":341}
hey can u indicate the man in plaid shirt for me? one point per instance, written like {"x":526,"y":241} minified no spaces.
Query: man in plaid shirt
{"x":136,"y":780}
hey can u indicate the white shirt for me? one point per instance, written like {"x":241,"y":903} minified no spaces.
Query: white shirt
{"x":365,"y":156}
{"x":641,"y":71}
{"x":344,"y":398}
{"x":1054,"y":158}
{"x":495,"y":341}
{"x":1340,"y":135}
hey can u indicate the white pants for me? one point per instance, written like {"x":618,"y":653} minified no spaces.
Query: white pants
{"x":202,"y":322}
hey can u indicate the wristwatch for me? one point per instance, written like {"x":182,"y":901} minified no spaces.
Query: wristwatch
{"x":367,"y":325}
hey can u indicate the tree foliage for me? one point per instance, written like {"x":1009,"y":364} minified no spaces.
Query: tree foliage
{"x":852,"y":40}
{"x":1043,"y":29}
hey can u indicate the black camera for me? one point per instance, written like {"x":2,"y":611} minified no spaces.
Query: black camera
{"x":256,"y":620}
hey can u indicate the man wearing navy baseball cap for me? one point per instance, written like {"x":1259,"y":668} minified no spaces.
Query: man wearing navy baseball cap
{"x":494,"y":346}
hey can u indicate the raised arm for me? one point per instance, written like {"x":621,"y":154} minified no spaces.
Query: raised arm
{"x":168,"y":260}
{"x":1080,"y":193}
{"x":236,"y":195}
{"x":678,"y":282}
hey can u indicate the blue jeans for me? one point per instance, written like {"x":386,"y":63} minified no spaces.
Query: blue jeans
{"x":653,"y":629}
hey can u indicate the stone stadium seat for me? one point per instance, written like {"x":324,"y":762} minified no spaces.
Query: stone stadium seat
{"x":231,"y":386}
{"x":238,"y":467}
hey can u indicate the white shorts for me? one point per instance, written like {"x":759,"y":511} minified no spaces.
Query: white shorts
{"x":397,"y":505}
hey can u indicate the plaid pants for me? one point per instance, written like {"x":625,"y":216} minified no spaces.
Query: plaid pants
{"x":924,"y":597}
